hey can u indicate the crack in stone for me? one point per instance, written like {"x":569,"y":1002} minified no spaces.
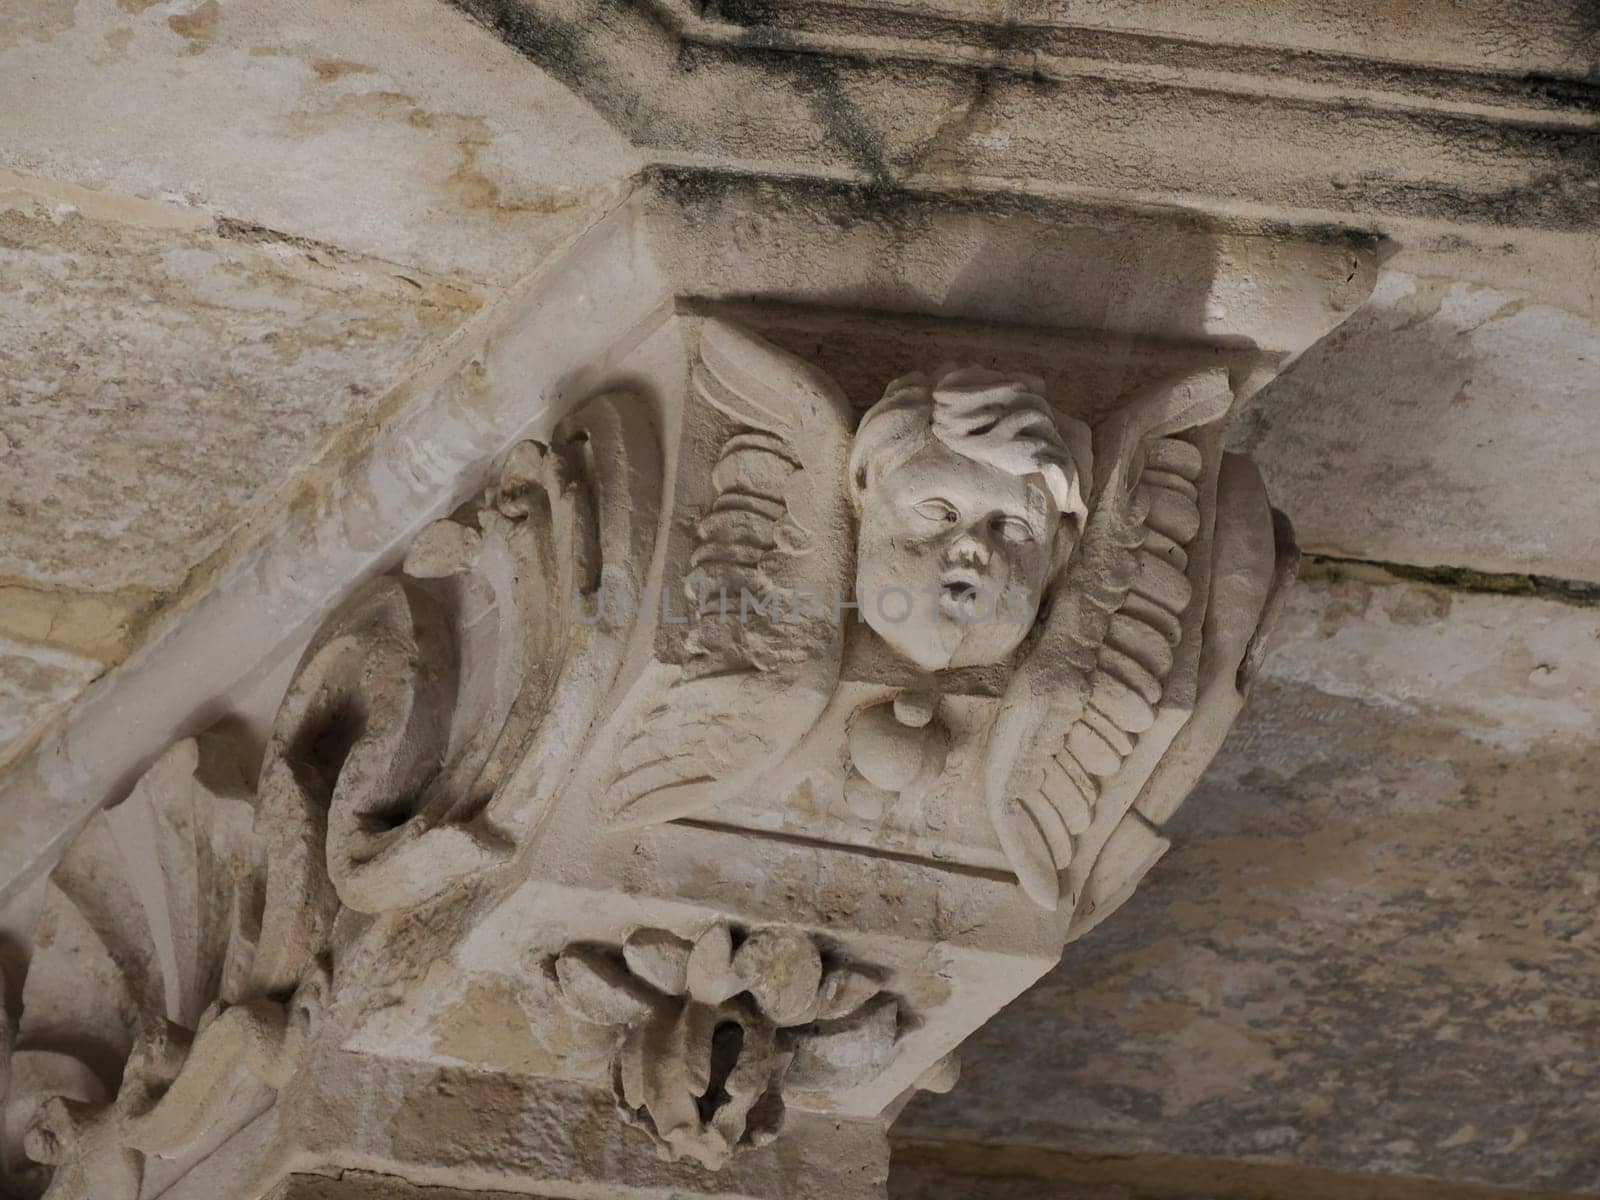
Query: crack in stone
{"x":1334,"y":568}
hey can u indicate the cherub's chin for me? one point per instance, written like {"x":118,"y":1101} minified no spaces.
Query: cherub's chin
{"x":929,"y":658}
{"x":929,"y":654}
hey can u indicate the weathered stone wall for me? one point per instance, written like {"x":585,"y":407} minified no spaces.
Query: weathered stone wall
{"x":1374,"y":948}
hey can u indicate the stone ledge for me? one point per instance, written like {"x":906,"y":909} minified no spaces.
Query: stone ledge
{"x":930,"y":1169}
{"x":659,"y":79}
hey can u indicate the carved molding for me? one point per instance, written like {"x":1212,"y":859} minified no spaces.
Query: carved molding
{"x":1092,"y":88}
{"x":633,"y":740}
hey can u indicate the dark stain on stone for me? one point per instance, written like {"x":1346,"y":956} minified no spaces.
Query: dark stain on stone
{"x":235,"y":230}
{"x":578,"y":57}
{"x":565,"y":49}
{"x":198,"y":26}
{"x":581,"y":53}
{"x":846,"y":125}
{"x":851,"y":201}
{"x":1583,"y":95}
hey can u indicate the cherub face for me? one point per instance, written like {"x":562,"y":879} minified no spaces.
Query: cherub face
{"x":953,"y":557}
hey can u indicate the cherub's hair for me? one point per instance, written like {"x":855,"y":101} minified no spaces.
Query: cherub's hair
{"x":1002,"y":420}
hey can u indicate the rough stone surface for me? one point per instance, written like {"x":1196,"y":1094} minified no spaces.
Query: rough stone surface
{"x":951,"y":1170}
{"x":1443,"y":424}
{"x":34,"y":680}
{"x":364,"y":1185}
{"x":1436,"y":160}
{"x":238,"y":243}
{"x":911,"y":1179}
{"x":158,"y":379}
{"x":397,"y":129}
{"x":1373,"y":945}
{"x":1552,"y":36}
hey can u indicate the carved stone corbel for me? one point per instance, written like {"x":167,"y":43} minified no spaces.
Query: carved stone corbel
{"x":742,"y":752}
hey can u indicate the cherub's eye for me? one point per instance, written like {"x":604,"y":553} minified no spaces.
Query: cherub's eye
{"x":1013,"y":529}
{"x":936,"y":510}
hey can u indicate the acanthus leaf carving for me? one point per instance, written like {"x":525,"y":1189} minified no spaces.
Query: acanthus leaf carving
{"x":713,"y":1033}
{"x":143,"y":1002}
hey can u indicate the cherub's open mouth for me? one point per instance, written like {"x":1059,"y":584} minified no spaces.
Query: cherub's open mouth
{"x":959,"y":590}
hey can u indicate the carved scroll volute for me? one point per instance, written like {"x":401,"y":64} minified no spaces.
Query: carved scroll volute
{"x":361,"y":732}
{"x":187,"y":932}
{"x":415,"y":705}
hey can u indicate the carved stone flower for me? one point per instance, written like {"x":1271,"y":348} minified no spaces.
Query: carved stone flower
{"x":709,"y":1029}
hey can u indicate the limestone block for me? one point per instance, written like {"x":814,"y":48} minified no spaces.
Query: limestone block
{"x":1372,"y":951}
{"x":417,"y":139}
{"x":160,"y":379}
{"x":1406,"y":435}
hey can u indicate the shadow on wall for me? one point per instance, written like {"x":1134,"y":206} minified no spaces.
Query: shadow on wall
{"x":869,"y":286}
{"x":1370,"y":951}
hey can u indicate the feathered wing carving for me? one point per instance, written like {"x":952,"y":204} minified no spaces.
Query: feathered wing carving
{"x":1093,"y":681}
{"x":1253,"y":562}
{"x":771,"y":555}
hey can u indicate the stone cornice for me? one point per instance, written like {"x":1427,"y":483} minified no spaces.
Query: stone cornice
{"x":1137,"y":118}
{"x":1061,"y":50}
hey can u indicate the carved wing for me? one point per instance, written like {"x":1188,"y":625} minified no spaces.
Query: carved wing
{"x":1091,"y":685}
{"x":771,"y":555}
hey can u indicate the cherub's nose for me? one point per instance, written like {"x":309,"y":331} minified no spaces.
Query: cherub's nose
{"x":967,"y":549}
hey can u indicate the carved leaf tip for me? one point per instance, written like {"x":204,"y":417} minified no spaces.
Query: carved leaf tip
{"x":596,"y":989}
{"x":1028,"y":851}
{"x":711,"y":977}
{"x":659,"y":958}
{"x":782,"y":969}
